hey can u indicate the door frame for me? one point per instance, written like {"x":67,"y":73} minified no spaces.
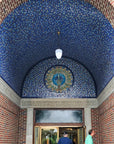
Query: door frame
{"x":58,"y":124}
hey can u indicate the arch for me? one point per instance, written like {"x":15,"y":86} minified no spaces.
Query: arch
{"x":86,"y":37}
{"x":81,"y":85}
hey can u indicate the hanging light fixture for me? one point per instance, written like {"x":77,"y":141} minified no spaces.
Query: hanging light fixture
{"x":58,"y":52}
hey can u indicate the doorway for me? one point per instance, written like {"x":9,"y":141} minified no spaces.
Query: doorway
{"x":51,"y":135}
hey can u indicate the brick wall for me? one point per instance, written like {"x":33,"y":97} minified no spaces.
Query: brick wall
{"x":6,"y":6}
{"x":106,"y":121}
{"x":12,"y":122}
{"x":103,"y":122}
{"x":9,"y":114}
{"x":105,"y":6}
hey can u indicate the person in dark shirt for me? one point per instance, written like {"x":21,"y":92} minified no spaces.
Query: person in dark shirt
{"x":65,"y":139}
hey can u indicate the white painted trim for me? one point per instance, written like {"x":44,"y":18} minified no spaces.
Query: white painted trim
{"x":107,"y":91}
{"x":9,"y":92}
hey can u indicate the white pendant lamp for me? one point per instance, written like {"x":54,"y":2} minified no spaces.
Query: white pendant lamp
{"x":58,"y":53}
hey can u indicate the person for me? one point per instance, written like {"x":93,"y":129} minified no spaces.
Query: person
{"x":89,"y":139}
{"x":65,"y":139}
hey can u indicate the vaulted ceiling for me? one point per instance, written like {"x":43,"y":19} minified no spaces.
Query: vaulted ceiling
{"x":29,"y":34}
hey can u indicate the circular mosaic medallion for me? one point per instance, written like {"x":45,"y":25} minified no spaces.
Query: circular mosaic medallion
{"x":58,"y":79}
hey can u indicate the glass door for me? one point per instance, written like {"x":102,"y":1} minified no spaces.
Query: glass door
{"x":51,"y":135}
{"x":81,"y":135}
{"x":46,"y":135}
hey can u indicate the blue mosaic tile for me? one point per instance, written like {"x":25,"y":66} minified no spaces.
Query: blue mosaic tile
{"x":29,"y":34}
{"x":34,"y":84}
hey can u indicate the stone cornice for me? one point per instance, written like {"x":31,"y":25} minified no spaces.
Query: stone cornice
{"x":9,"y":92}
{"x":107,"y":91}
{"x":59,"y":103}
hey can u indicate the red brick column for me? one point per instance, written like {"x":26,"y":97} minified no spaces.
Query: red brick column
{"x":22,"y":126}
{"x":95,"y":124}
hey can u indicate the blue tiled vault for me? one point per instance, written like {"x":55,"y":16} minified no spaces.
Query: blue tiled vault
{"x":34,"y":84}
{"x":29,"y":35}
